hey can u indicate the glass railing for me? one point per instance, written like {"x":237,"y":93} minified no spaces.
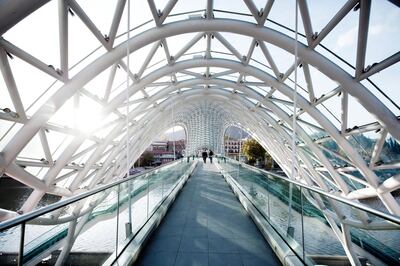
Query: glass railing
{"x":95,"y":226}
{"x":311,"y":233}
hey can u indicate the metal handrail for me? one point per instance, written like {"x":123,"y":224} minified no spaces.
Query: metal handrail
{"x":386,"y":216}
{"x":62,"y":203}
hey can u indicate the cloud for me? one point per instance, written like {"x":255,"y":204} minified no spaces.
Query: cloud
{"x":376,"y":29}
{"x":347,"y":38}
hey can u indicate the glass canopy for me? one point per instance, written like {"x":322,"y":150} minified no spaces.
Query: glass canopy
{"x":86,"y":86}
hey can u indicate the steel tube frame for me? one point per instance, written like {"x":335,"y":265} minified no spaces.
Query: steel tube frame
{"x":262,"y":109}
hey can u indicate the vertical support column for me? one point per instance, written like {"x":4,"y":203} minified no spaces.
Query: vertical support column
{"x":10,"y":83}
{"x":21,"y":245}
{"x":345,"y":100}
{"x":63,"y":37}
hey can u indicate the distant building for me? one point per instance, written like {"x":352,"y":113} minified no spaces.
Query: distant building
{"x":158,"y":146}
{"x":233,"y":147}
{"x":161,"y":157}
{"x":163,"y":151}
{"x":180,"y":146}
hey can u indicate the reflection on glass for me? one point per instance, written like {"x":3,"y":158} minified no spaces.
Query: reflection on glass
{"x":310,"y":234}
{"x":9,"y":245}
{"x":384,"y":243}
{"x":319,"y":239}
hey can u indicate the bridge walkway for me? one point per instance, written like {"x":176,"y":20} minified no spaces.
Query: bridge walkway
{"x":207,"y":225}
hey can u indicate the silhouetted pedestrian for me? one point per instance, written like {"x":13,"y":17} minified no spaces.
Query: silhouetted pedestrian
{"x":204,"y":155}
{"x":210,"y":155}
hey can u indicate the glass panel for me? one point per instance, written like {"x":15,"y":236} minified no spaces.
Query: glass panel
{"x":270,"y":195}
{"x":139,"y":208}
{"x":375,"y":238}
{"x":383,"y":244}
{"x":98,"y":235}
{"x":125,"y":214}
{"x":47,"y":235}
{"x":152,"y":195}
{"x":290,"y":230}
{"x":319,"y":239}
{"x":380,"y":238}
{"x":9,"y":245}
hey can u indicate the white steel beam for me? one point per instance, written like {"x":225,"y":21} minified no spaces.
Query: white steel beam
{"x":190,"y":73}
{"x":154,"y":12}
{"x":11,"y":85}
{"x":188,"y":45}
{"x":208,"y":53}
{"x":48,"y":69}
{"x":87,"y":21}
{"x":265,"y":12}
{"x":45,"y":145}
{"x":166,"y":51}
{"x":110,"y":81}
{"x":148,"y":58}
{"x":344,"y":111}
{"x":228,"y":45}
{"x":167,"y":9}
{"x":375,"y":68}
{"x":378,"y":148}
{"x":119,"y":9}
{"x":81,"y":153}
{"x":310,"y":87}
{"x":63,"y":37}
{"x":305,"y":17}
{"x":132,"y":76}
{"x":209,"y":9}
{"x":334,"y":21}
{"x":253,"y":9}
{"x":269,"y":58}
{"x":363,"y":25}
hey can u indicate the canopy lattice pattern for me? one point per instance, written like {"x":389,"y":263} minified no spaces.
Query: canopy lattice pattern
{"x":205,"y":125}
{"x":65,"y":104}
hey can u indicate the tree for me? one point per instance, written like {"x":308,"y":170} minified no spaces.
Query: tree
{"x":146,"y":159}
{"x":253,"y":151}
{"x":269,"y":161}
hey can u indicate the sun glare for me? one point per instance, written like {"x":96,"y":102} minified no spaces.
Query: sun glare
{"x":87,"y":117}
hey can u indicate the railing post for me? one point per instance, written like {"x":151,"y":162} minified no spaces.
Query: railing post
{"x":128,"y":225}
{"x":21,"y":245}
{"x":148,"y":182}
{"x":268,"y":201}
{"x":290,"y":228}
{"x":302,"y":222}
{"x":162,"y":188}
{"x":117,"y":231}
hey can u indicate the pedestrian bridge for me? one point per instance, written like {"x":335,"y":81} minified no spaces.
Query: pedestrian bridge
{"x":85,"y":87}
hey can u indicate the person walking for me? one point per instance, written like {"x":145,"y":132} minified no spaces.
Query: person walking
{"x":210,"y":155}
{"x":204,"y":155}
